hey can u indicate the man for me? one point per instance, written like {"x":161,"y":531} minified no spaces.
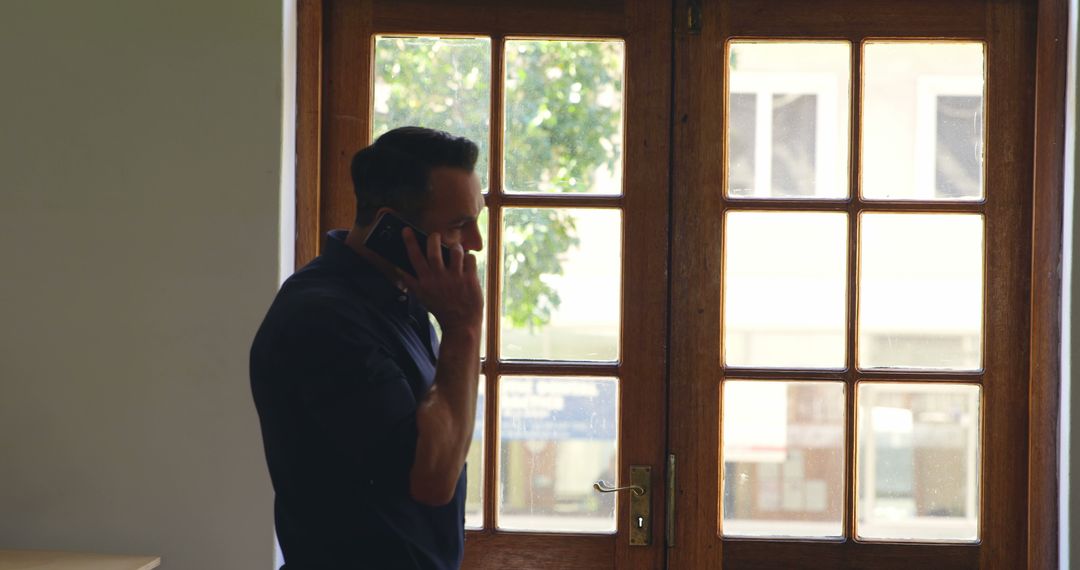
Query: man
{"x":366,"y":419}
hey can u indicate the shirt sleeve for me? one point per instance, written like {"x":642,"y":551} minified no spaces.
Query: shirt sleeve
{"x":351,"y":387}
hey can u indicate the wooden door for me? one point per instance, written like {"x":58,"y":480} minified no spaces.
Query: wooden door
{"x":570,"y":104}
{"x":852,"y":208}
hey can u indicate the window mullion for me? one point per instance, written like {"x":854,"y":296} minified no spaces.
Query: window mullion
{"x":494,"y":285}
{"x":854,"y":180}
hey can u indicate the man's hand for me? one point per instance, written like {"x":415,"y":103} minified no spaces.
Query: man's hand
{"x":451,"y":292}
{"x":445,"y":417}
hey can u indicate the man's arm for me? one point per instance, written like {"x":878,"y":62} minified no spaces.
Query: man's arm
{"x":447,"y":414}
{"x":445,"y":419}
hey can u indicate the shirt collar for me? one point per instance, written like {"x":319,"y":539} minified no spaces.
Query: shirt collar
{"x":368,"y":277}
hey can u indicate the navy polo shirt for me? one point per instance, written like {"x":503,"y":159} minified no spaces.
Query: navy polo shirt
{"x":337,"y":368}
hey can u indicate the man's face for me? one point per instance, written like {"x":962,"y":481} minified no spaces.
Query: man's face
{"x":454,"y":202}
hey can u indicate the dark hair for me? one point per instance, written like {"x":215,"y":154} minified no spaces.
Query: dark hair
{"x":394,"y":171}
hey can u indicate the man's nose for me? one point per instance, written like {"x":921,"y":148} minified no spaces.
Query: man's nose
{"x":473,"y":241}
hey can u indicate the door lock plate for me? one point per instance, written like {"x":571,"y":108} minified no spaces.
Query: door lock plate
{"x":640,"y":513}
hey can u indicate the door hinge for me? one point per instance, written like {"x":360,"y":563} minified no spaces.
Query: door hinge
{"x":669,"y":503}
{"x":693,"y":16}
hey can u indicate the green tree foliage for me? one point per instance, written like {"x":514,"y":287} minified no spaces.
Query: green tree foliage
{"x":440,"y":84}
{"x":563,"y":127}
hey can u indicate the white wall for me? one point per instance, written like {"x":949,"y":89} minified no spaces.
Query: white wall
{"x":140,"y":155}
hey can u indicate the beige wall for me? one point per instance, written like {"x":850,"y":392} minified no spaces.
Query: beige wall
{"x":140,"y":156}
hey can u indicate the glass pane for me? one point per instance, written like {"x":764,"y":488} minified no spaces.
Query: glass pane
{"x":794,"y":126}
{"x":784,"y":289}
{"x":439,"y":83}
{"x":783,"y":459}
{"x":564,"y":116}
{"x":918,"y":461}
{"x":788,"y":108}
{"x":921,"y":291}
{"x":474,"y":468}
{"x":922,"y":116}
{"x":742,"y":144}
{"x":557,"y":436}
{"x":562,"y":283}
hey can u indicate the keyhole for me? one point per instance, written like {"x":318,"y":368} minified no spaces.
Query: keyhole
{"x":640,"y":522}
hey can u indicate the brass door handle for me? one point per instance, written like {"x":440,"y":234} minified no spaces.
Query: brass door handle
{"x":640,"y":503}
{"x":603,"y":487}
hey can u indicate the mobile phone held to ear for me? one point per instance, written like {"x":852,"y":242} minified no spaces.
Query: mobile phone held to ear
{"x":385,"y":239}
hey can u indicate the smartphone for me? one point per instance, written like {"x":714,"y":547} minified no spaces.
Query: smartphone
{"x":385,"y":239}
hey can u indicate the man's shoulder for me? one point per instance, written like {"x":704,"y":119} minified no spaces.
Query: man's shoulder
{"x":310,"y":308}
{"x":316,"y":290}
{"x":310,"y":328}
{"x":313,"y":305}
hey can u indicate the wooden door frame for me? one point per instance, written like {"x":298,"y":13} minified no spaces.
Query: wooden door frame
{"x":1036,"y":491}
{"x":1045,"y":457}
{"x":309,"y":80}
{"x":330,"y":64}
{"x":1047,"y":227}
